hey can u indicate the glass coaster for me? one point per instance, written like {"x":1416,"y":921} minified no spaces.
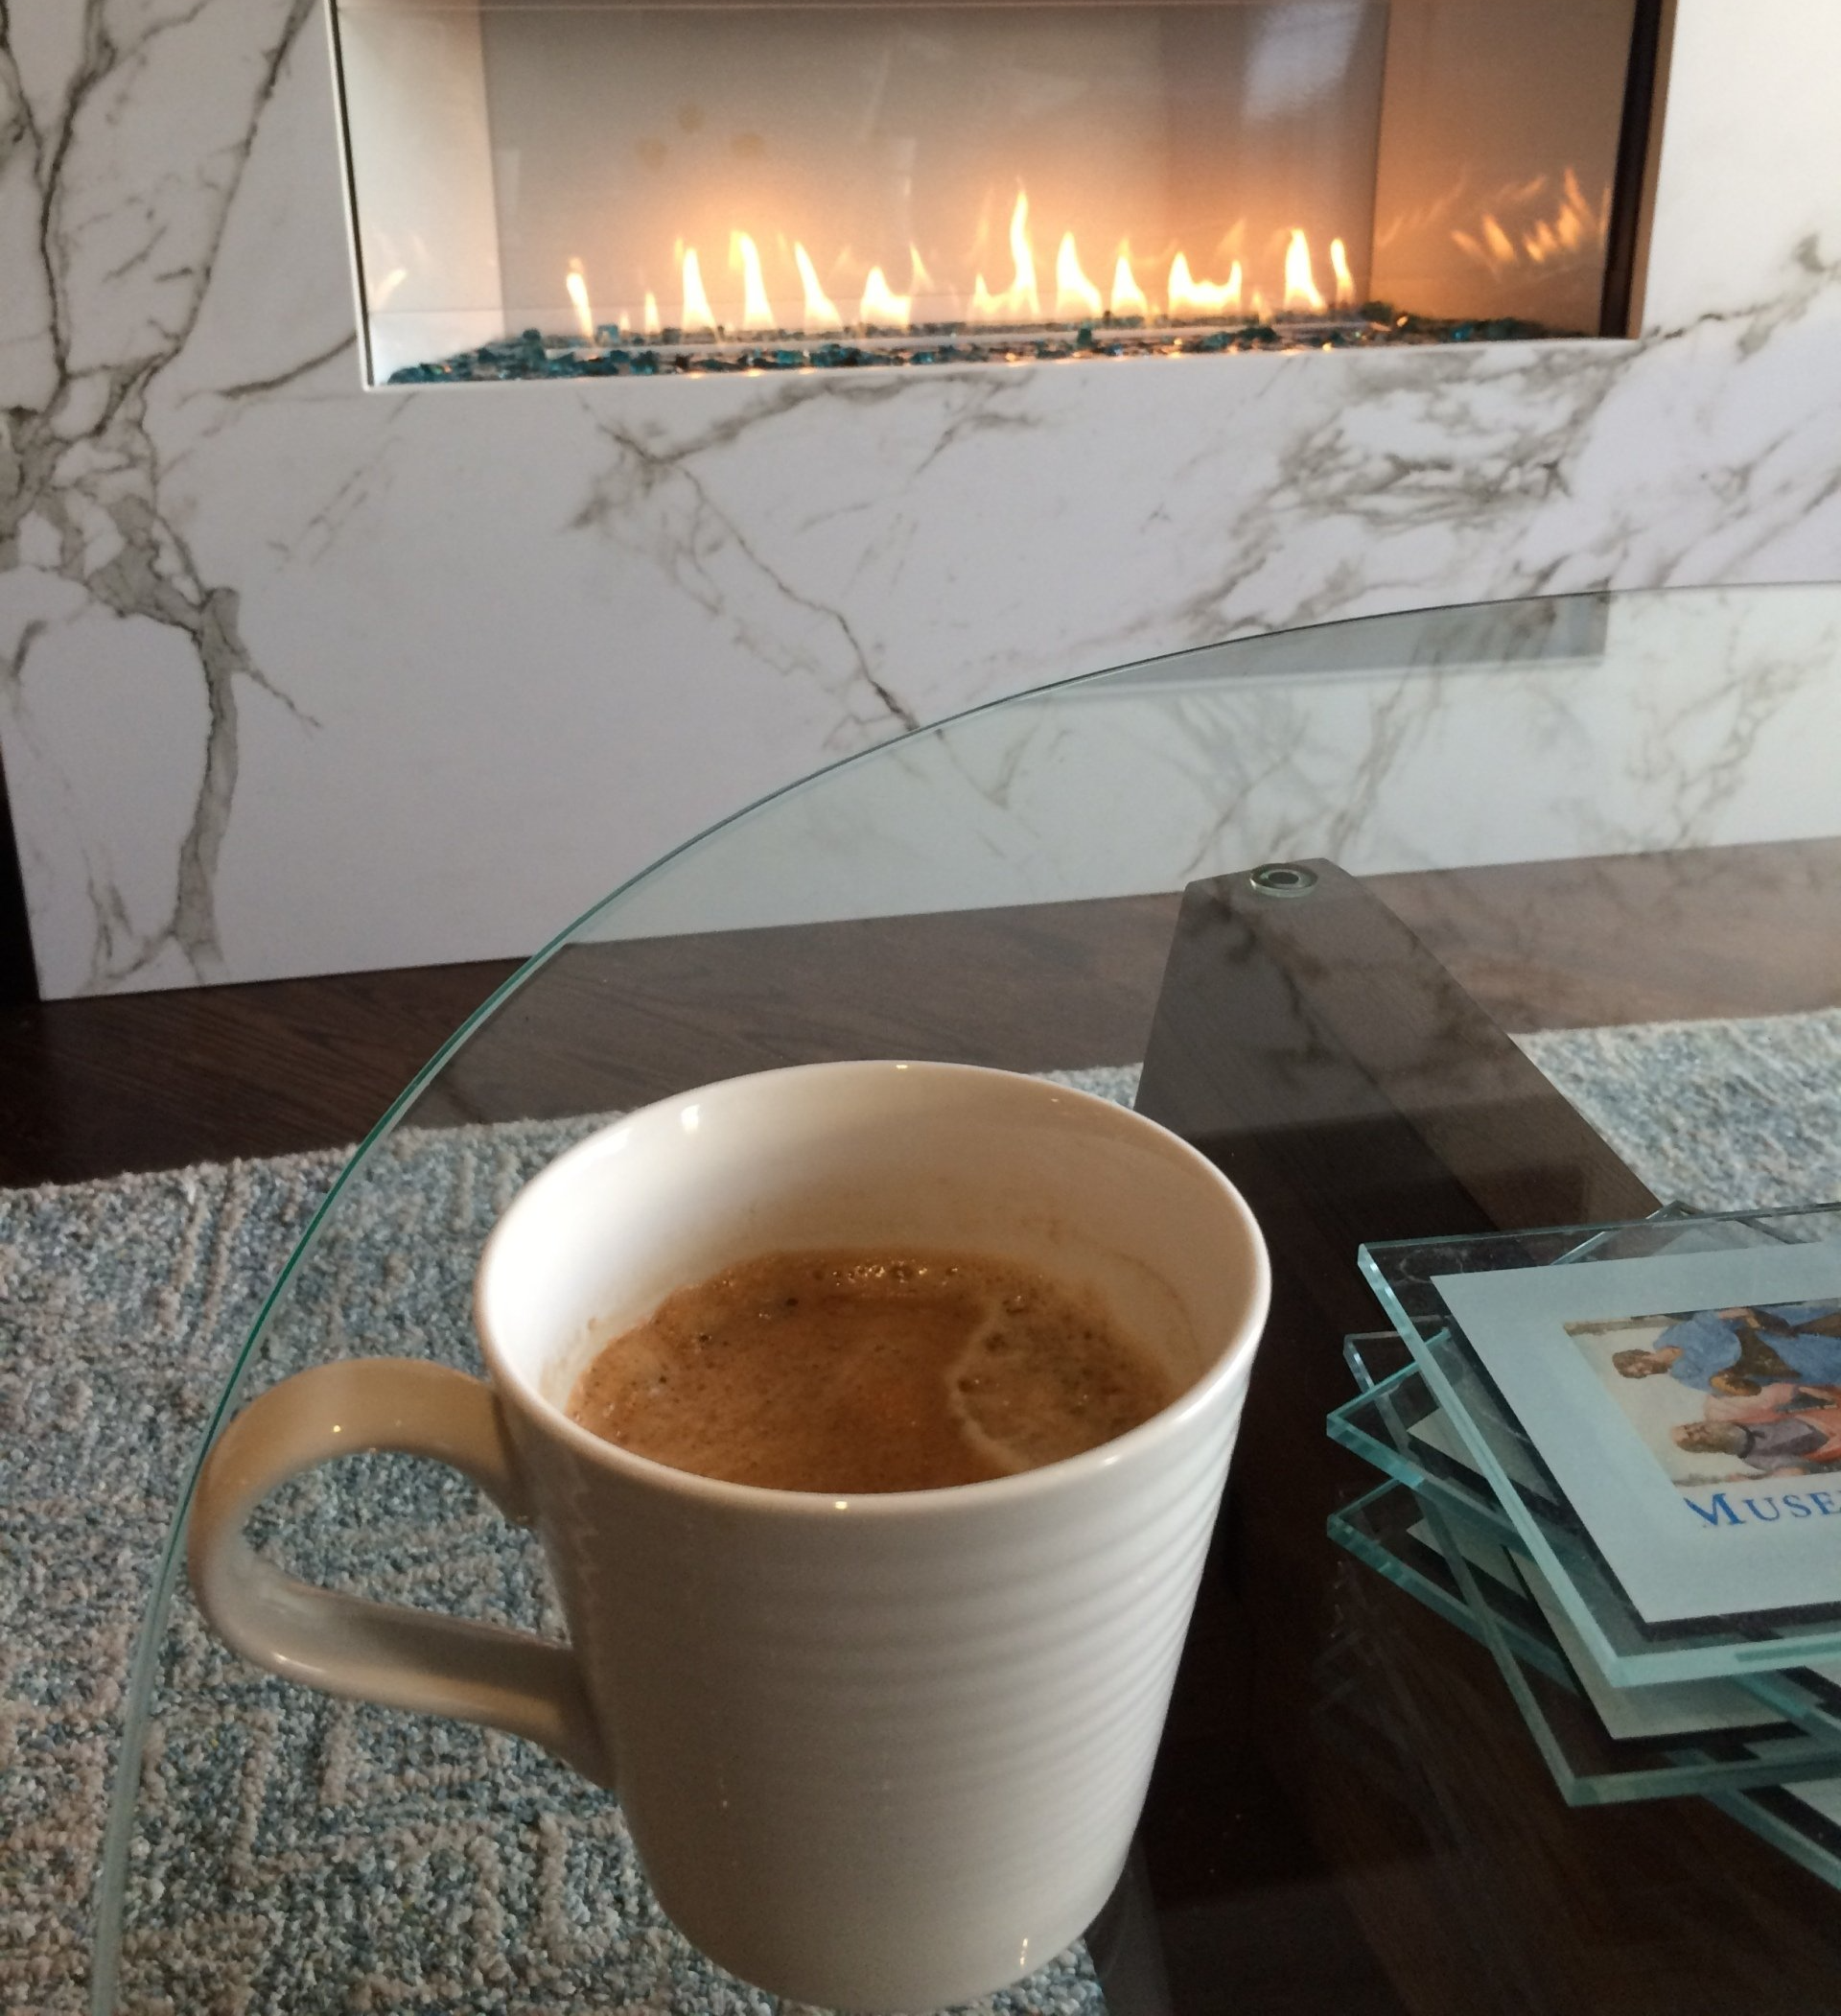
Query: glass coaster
{"x":1373,"y":1356}
{"x":1674,"y":1738}
{"x":1526,"y":1356}
{"x":1802,"y":1820}
{"x":1386,"y":1530}
{"x":1397,"y":1426}
{"x":1810,"y":1696}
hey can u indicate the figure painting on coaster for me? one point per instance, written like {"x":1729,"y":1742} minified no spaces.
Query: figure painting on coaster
{"x":1731,"y":1394}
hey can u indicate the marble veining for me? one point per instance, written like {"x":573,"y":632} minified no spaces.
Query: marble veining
{"x":119,"y":287}
{"x":651,"y":497}
{"x":1581,"y":725}
{"x":297,"y":676}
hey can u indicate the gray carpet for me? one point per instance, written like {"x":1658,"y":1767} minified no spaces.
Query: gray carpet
{"x":300,"y":1855}
{"x":1722,"y":1115}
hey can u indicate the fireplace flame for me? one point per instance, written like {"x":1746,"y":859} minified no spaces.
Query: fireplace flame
{"x":1300,"y":283}
{"x":1021,"y":301}
{"x":882,"y":307}
{"x":1074,"y":294}
{"x":1191,"y":297}
{"x":576,"y":283}
{"x":757,"y":310}
{"x":821,"y":316}
{"x":1127,"y":296}
{"x":1024,"y":284}
{"x":697,"y":312}
{"x":1077,"y":298}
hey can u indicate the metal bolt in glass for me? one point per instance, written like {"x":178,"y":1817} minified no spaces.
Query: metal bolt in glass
{"x":1283,"y":878}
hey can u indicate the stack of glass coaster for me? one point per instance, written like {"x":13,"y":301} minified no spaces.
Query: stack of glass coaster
{"x":1743,"y":1708}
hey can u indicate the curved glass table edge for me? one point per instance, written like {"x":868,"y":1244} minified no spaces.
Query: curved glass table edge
{"x":108,"y":1897}
{"x":110,"y":1890}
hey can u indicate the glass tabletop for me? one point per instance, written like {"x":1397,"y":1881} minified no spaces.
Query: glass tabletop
{"x":1002,"y":888}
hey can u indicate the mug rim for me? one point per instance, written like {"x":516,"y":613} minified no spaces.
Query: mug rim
{"x":933,"y":1500}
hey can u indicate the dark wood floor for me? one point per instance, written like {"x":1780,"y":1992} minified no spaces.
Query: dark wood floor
{"x":97,"y":1087}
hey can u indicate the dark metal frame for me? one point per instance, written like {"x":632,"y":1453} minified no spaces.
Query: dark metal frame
{"x":19,"y":972}
{"x":1629,"y":192}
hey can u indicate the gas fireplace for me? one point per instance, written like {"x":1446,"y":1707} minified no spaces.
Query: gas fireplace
{"x":608,"y":189}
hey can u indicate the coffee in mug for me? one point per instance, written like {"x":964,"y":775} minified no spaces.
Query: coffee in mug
{"x":870,"y":1371}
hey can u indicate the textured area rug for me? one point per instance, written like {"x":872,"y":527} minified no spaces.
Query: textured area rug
{"x":301,"y":1854}
{"x":1721,"y":1115}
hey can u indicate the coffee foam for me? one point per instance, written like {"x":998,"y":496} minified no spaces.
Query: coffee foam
{"x":865,"y":1370}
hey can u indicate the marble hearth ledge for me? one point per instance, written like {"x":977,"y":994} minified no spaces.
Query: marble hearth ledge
{"x":296,"y":677}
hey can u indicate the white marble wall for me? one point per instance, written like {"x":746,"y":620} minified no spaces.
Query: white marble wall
{"x":297,"y":677}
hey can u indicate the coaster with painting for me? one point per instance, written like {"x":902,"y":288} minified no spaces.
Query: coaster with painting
{"x":1659,"y":1419}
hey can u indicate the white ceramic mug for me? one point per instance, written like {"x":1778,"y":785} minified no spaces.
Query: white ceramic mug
{"x":878,"y":1752}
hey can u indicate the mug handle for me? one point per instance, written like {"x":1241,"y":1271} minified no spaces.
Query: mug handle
{"x":346,"y":1645}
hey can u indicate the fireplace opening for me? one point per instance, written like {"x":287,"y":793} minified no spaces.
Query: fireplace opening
{"x":604,"y":188}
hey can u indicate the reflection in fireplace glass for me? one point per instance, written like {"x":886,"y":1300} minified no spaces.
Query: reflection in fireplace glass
{"x":602,"y":188}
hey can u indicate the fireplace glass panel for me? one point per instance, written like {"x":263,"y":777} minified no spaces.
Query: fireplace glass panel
{"x":877,"y":182}
{"x":1499,"y":158}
